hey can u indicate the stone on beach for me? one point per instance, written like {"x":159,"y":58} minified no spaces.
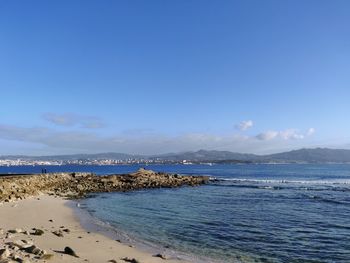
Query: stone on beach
{"x":160,"y":256}
{"x":131,"y":260}
{"x":70,"y":251}
{"x":37,"y":232}
{"x":66,"y":230}
{"x":58,"y":233}
{"x":4,"y":253}
{"x":19,"y":244}
{"x":35,"y":250}
{"x":16,"y":231}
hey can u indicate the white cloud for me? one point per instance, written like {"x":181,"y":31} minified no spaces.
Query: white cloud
{"x":310,"y":131}
{"x":268,"y":135}
{"x":289,"y":134}
{"x":244,"y":125}
{"x":70,"y":141}
{"x":71,"y":119}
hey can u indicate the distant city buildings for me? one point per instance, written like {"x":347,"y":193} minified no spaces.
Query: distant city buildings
{"x":17,"y":162}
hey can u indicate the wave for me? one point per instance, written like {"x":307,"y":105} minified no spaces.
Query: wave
{"x":282,"y":181}
{"x":328,"y":200}
{"x":250,"y":186}
{"x":312,"y":185}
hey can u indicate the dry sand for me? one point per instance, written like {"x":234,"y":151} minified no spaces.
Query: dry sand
{"x":51,"y":214}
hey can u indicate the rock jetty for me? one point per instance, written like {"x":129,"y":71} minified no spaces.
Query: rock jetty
{"x":76,"y":185}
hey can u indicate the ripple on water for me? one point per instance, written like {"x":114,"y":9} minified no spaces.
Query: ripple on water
{"x":286,"y":213}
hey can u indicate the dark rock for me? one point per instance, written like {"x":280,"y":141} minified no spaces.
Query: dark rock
{"x":37,"y":232}
{"x":70,"y":251}
{"x":4,"y":253}
{"x":131,"y":260}
{"x":160,"y":256}
{"x":34,"y":250}
{"x":58,"y":233}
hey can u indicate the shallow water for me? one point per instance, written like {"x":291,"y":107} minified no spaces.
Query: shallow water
{"x":250,"y":213}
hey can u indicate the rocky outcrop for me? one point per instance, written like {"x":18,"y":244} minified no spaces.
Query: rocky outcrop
{"x":20,"y":247}
{"x":79,"y":184}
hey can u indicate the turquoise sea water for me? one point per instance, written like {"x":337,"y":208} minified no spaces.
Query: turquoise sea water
{"x":250,"y":213}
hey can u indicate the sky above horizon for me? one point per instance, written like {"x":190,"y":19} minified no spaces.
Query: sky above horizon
{"x":166,"y":76}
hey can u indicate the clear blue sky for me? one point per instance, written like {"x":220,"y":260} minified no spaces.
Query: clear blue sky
{"x":160,"y":76}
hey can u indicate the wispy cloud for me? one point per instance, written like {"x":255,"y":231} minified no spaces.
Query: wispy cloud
{"x":244,"y":125}
{"x":71,"y":119}
{"x":310,"y":131}
{"x":268,"y":135}
{"x":72,"y":141}
{"x":289,"y":134}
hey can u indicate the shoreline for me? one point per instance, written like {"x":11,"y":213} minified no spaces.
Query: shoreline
{"x":40,"y":224}
{"x":50,"y":214}
{"x":95,"y":225}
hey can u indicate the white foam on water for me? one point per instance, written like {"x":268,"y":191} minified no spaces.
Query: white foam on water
{"x":276,"y":181}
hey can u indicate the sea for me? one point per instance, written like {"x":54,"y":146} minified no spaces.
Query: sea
{"x":247,"y":213}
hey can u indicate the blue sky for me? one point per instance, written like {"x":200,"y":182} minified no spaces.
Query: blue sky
{"x":164,"y":76}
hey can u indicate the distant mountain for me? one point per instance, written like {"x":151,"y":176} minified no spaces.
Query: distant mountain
{"x":316,"y":155}
{"x":203,"y":155}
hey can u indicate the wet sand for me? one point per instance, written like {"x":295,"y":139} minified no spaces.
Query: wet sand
{"x":55,"y":214}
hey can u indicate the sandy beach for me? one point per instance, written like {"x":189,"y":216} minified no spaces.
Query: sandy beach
{"x":18,"y":221}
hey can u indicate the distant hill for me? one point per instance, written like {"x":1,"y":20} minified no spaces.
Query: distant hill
{"x":316,"y":155}
{"x":203,"y":155}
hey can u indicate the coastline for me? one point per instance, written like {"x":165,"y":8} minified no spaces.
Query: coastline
{"x":92,"y":224}
{"x":49,"y":213}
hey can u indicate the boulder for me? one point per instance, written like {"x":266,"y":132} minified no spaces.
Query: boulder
{"x":70,"y":251}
